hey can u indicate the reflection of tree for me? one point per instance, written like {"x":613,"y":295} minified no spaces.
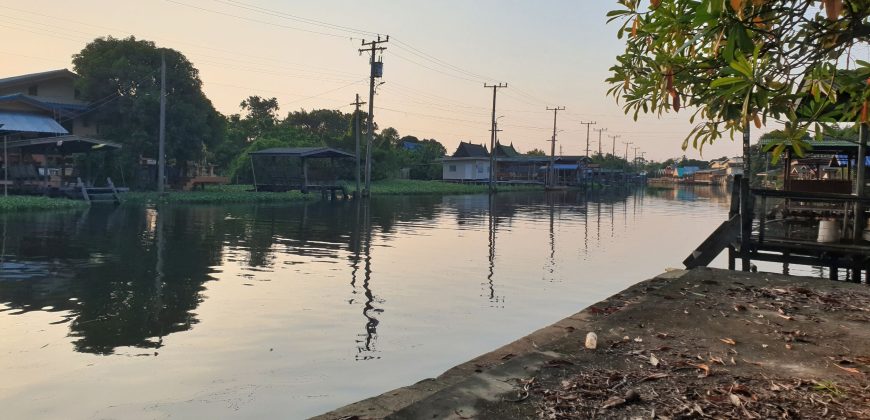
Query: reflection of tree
{"x":105,"y":270}
{"x":127,"y":276}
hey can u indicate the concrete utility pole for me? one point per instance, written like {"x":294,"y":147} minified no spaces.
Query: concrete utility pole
{"x":161,"y":148}
{"x":492,"y":169}
{"x":356,"y":134}
{"x":377,"y":68}
{"x":626,"y":149}
{"x":600,"y":131}
{"x":635,"y":154}
{"x":588,"y":125}
{"x":613,"y":143}
{"x":552,"y":171}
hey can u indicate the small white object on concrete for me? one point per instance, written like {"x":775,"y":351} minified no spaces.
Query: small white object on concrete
{"x":591,"y":341}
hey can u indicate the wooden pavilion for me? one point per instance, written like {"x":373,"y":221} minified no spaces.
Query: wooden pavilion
{"x":289,"y":168}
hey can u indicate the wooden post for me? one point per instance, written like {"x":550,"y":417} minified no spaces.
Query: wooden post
{"x":254,"y":173}
{"x":304,"y":175}
{"x":857,"y":227}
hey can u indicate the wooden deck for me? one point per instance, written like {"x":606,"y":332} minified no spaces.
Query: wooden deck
{"x":783,"y":227}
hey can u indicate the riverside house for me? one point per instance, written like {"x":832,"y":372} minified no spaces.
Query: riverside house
{"x":469,"y":163}
{"x":43,"y":122}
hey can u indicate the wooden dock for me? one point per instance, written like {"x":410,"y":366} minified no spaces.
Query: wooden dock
{"x":783,"y":228}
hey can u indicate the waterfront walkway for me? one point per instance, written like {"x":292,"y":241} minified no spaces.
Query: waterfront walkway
{"x":687,"y":343}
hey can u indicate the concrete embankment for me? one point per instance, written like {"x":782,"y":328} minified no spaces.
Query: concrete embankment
{"x":702,"y":342}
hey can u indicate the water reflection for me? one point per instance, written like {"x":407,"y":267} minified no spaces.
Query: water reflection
{"x":129,"y":277}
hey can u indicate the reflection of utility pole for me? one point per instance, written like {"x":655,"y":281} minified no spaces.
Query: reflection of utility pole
{"x":376,"y":71}
{"x":600,"y":131}
{"x":588,"y":125}
{"x":552,"y":171}
{"x":371,"y":322}
{"x":492,"y":171}
{"x":158,"y":279}
{"x":492,"y":233}
{"x":356,"y":135}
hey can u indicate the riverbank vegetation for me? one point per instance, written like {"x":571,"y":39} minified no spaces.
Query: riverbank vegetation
{"x":27,"y":203}
{"x":241,"y":193}
{"x":217,"y":194}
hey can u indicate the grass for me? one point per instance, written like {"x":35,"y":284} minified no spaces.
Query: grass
{"x":417,"y":187}
{"x":27,"y":203}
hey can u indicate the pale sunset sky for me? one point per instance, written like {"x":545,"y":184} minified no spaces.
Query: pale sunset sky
{"x":550,"y":53}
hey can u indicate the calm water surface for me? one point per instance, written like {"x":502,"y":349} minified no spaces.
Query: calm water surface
{"x":290,"y":311}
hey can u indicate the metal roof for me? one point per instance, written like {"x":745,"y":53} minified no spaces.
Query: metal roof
{"x":65,"y":109}
{"x":24,"y":122}
{"x":303,"y":152}
{"x":62,"y":144}
{"x":35,"y":77}
{"x":824,"y":145}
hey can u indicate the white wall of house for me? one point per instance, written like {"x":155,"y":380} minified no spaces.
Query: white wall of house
{"x":465,"y":169}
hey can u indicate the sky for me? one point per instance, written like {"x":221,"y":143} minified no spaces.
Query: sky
{"x":440,"y":54}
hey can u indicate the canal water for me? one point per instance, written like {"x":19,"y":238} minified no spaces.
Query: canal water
{"x":290,"y":311}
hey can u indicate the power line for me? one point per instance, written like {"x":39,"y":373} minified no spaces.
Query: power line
{"x":217,"y":12}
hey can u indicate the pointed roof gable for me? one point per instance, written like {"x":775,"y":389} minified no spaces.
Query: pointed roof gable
{"x":470,"y":150}
{"x":505,"y":151}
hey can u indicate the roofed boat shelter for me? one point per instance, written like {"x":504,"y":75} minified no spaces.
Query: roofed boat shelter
{"x":289,"y":168}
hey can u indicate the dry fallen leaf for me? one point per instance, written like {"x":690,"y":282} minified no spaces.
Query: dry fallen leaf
{"x":850,"y":370}
{"x":735,"y":400}
{"x":653,"y":360}
{"x":703,"y":367}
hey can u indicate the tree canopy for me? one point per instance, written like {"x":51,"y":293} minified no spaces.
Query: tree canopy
{"x":738,"y":63}
{"x":121,"y":78}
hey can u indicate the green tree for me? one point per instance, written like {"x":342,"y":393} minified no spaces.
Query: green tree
{"x":262,"y":115}
{"x":739,"y":63}
{"x":536,"y":152}
{"x":121,"y":78}
{"x":260,"y":120}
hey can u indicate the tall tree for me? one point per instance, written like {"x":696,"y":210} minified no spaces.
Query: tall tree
{"x":121,"y":78}
{"x":262,"y":115}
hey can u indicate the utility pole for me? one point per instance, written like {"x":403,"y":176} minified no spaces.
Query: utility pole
{"x":613,"y":143}
{"x":635,"y":154}
{"x":356,"y":134}
{"x":377,"y":70}
{"x":588,"y":125}
{"x":492,"y":169}
{"x":600,"y":131}
{"x":626,"y":149}
{"x":552,"y":171}
{"x":161,"y":148}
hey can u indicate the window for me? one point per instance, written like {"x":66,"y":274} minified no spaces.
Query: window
{"x":452,"y":168}
{"x":33,"y":90}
